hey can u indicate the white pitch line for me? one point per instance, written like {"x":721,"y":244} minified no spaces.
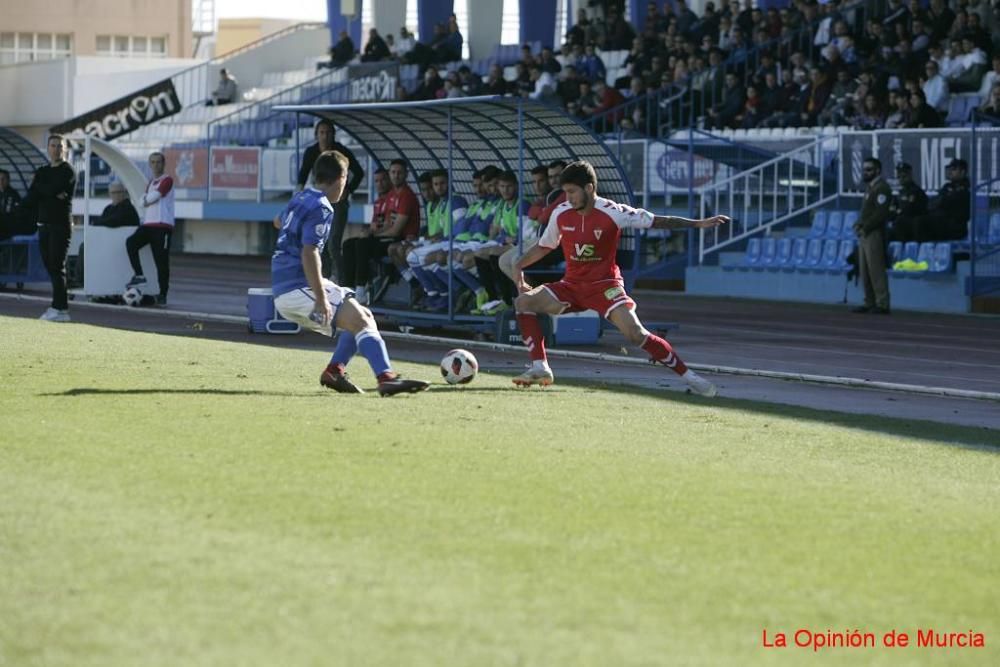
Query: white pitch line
{"x":590,"y":356}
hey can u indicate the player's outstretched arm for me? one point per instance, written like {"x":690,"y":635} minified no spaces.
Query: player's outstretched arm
{"x":673,"y":222}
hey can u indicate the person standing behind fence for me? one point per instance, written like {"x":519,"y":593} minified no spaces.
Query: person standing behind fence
{"x":870,"y":229}
{"x":325,"y":133}
{"x":50,"y":199}
{"x":156,"y":229}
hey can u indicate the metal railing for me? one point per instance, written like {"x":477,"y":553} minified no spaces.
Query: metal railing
{"x":771,"y":193}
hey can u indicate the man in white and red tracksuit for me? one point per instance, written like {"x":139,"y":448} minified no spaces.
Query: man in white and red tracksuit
{"x":156,"y":228}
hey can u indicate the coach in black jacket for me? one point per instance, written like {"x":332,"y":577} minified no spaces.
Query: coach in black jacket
{"x":333,"y":261}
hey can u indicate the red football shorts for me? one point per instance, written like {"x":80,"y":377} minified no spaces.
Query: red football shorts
{"x":602,"y":296}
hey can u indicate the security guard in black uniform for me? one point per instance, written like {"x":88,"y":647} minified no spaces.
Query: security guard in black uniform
{"x":947,"y":218}
{"x":870,"y":229}
{"x":907,"y":205}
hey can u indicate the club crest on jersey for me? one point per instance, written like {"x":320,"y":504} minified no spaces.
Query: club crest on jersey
{"x":597,"y":233}
{"x":321,"y":230}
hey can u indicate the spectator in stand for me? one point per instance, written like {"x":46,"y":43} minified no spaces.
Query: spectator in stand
{"x":341,"y":53}
{"x":9,"y":201}
{"x":469,"y":81}
{"x":947,"y":218}
{"x":752,"y":113}
{"x":608,"y":99}
{"x":225,"y":92}
{"x":568,"y":88}
{"x":991,"y":107}
{"x":452,"y":88}
{"x":495,"y":83}
{"x":872,"y":115}
{"x":899,"y":111}
{"x":770,"y":96}
{"x":404,"y":45}
{"x":896,"y":13}
{"x":618,"y":32}
{"x":49,"y":202}
{"x":724,"y":114}
{"x":376,"y":49}
{"x":840,"y":99}
{"x":967,"y":73}
{"x":922,"y":115}
{"x":921,"y":38}
{"x":548,"y":62}
{"x":448,"y":47}
{"x":429,"y":87}
{"x":940,"y":17}
{"x":935,"y":88}
{"x":590,"y":66}
{"x":522,"y":85}
{"x":527,"y":57}
{"x":991,"y":79}
{"x":544,"y":85}
{"x":156,"y":229}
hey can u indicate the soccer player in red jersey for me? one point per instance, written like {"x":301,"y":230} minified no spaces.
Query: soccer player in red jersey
{"x":588,"y":227}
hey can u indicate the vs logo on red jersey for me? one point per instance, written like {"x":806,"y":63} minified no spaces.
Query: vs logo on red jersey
{"x":583,"y":250}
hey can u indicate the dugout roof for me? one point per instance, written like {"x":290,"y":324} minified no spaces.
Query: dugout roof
{"x":21,"y":158}
{"x":480,"y":130}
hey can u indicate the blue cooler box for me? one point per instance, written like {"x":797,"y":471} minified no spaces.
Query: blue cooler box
{"x":262,"y":315}
{"x":577,"y":328}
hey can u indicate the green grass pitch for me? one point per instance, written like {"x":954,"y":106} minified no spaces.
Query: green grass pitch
{"x":183,"y":501}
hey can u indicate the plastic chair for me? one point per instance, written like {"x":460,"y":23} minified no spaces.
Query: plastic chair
{"x":783,"y":255}
{"x":768,"y":252}
{"x":818,"y":227}
{"x":941,"y":261}
{"x":834,"y":224}
{"x":752,"y":256}
{"x":800,"y":247}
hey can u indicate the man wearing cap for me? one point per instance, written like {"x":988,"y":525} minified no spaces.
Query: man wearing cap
{"x":908,"y":204}
{"x":870,"y":229}
{"x":947,"y":218}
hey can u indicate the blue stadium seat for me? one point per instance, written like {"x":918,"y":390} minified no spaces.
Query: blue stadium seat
{"x":783,"y":255}
{"x":840,"y":265}
{"x":941,"y":261}
{"x":818,"y":227}
{"x":752,"y":256}
{"x":850,"y":218}
{"x":993,"y":235}
{"x":831,"y":250}
{"x":895,"y":252}
{"x":768,"y":253}
{"x":834,"y":224}
{"x":814,"y":254}
{"x":799,"y":250}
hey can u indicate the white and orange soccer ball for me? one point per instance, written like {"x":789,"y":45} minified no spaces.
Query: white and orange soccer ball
{"x":459,"y":367}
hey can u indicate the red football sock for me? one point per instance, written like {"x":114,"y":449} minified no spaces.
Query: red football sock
{"x":660,"y":350}
{"x":531,"y":334}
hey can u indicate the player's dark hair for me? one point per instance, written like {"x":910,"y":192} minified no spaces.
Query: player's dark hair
{"x":508,"y":177}
{"x":425,"y":177}
{"x":579,"y":173}
{"x":439,"y":173}
{"x":4,"y":172}
{"x":329,"y":166}
{"x":478,"y":173}
{"x":401,"y":162}
{"x":561,"y":164}
{"x":380,"y":170}
{"x":540,"y":169}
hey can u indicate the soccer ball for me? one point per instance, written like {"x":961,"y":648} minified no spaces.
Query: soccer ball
{"x":132,"y":296}
{"x":459,"y":367}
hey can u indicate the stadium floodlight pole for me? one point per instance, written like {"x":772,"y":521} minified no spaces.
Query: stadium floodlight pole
{"x":451,"y":224}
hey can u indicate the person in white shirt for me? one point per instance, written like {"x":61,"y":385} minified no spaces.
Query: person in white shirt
{"x":404,"y":44}
{"x":545,"y":85}
{"x":990,"y":79}
{"x":935,"y":87}
{"x":156,"y":229}
{"x":225,"y":92}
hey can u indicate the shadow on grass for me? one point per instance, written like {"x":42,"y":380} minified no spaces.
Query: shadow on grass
{"x":954,"y":435}
{"x":91,"y":391}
